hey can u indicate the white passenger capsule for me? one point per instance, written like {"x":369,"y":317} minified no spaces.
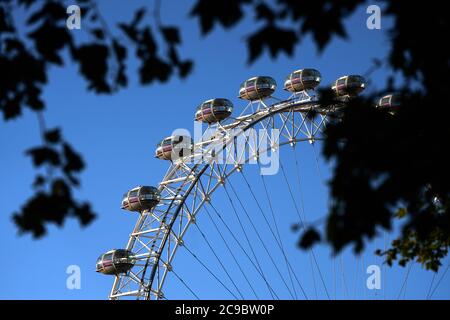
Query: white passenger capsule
{"x":141,"y":198}
{"x":351,"y":86}
{"x":115,"y":262}
{"x":214,"y":110}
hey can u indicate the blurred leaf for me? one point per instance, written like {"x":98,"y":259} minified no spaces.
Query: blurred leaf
{"x":5,"y":25}
{"x":84,"y":214}
{"x":154,"y":69}
{"x":98,"y":33}
{"x":130,"y":31}
{"x":93,"y":60}
{"x":185,"y":68}
{"x":264,"y":12}
{"x":401,"y":213}
{"x":53,"y":136}
{"x":39,"y":181}
{"x":52,"y":207}
{"x":50,"y":11}
{"x":73,"y":161}
{"x":119,"y":50}
{"x":26,"y":3}
{"x":171,"y":35}
{"x":225,"y":12}
{"x":138,"y":15}
{"x":10,"y":108}
{"x":49,"y":46}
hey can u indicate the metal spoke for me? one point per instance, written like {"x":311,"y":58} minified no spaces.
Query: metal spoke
{"x":276,"y":237}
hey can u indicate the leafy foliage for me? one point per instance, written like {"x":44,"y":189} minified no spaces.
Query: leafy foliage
{"x":390,"y":167}
{"x":53,"y":201}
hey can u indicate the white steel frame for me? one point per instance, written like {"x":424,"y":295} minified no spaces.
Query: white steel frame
{"x":191,"y":181}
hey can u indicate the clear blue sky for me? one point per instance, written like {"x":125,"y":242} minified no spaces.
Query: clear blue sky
{"x":117,"y":134}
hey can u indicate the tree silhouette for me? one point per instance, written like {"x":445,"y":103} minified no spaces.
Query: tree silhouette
{"x":386,"y":166}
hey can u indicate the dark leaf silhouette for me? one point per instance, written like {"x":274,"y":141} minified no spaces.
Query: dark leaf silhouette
{"x":119,"y":50}
{"x":130,"y":31}
{"x":185,"y":68}
{"x":5,"y":25}
{"x":171,"y":34}
{"x":138,"y":15}
{"x":26,"y":3}
{"x":51,"y":11}
{"x":264,"y":12}
{"x":225,"y":12}
{"x":154,"y":69}
{"x":275,"y":39}
{"x":84,"y":214}
{"x":98,"y":33}
{"x":53,"y":201}
{"x":102,"y":62}
{"x":121,"y":53}
{"x":309,"y":238}
{"x":322,"y":18}
{"x":44,"y":155}
{"x":39,"y":181}
{"x":11,"y":108}
{"x":53,"y":136}
{"x":33,"y":99}
{"x":94,"y":66}
{"x":51,"y":207}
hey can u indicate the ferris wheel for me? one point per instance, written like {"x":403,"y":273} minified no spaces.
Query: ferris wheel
{"x":198,"y":170}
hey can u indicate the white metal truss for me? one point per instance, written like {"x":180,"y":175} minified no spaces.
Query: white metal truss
{"x":192,"y":180}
